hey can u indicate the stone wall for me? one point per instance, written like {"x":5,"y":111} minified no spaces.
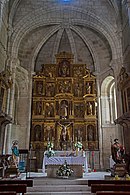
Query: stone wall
{"x":3,"y":33}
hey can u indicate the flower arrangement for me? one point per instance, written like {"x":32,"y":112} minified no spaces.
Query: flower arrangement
{"x":78,"y":145}
{"x":50,"y":153}
{"x":64,"y":170}
{"x":50,"y":145}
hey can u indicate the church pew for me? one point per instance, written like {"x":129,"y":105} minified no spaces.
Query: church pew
{"x":28,"y":182}
{"x":109,"y":187}
{"x":18,"y":188}
{"x":112,"y":193}
{"x":108,"y":182}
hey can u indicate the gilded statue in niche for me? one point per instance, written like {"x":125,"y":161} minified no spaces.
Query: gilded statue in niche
{"x":78,"y":89}
{"x":64,"y":68}
{"x":49,"y":109}
{"x":88,"y":88}
{"x":64,"y":135}
{"x":89,"y":108}
{"x":64,"y":109}
{"x":39,"y":108}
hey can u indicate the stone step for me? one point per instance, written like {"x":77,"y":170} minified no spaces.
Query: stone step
{"x":59,"y":193}
{"x":59,"y":188}
{"x":59,"y":181}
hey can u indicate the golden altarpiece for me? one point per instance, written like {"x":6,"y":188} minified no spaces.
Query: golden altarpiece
{"x":64,"y":106}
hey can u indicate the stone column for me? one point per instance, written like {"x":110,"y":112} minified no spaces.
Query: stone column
{"x":10,"y":103}
{"x":100,"y":122}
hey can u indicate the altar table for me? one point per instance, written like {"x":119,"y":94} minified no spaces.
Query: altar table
{"x":75,"y":162}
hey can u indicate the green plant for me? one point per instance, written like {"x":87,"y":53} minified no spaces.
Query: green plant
{"x":78,"y":145}
{"x":50,"y":153}
{"x":50,"y":145}
{"x":64,"y":170}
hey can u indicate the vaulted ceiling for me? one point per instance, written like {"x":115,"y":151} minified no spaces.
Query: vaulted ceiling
{"x":87,"y":28}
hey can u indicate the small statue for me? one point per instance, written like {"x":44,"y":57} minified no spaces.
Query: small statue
{"x":15,"y":153}
{"x":64,"y":132}
{"x":64,"y":137}
{"x":64,"y":110}
{"x":117,"y":152}
{"x":89,"y":109}
{"x":88,"y":88}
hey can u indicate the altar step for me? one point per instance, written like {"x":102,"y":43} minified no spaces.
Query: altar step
{"x":59,"y":186}
{"x":55,"y":190}
{"x":59,"y":193}
{"x":56,"y":181}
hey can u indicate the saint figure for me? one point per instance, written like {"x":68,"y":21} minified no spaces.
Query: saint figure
{"x":64,"y":110}
{"x":15,"y":153}
{"x":117,"y":152}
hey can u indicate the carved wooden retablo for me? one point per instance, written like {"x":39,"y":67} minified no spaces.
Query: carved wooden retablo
{"x":64,"y":108}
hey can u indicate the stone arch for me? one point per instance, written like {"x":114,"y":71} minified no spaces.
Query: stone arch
{"x":108,"y":100}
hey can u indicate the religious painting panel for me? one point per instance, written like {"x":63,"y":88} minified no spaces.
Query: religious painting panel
{"x":49,"y":109}
{"x":37,"y":132}
{"x":91,"y":137}
{"x":39,"y":88}
{"x":79,"y":109}
{"x":91,"y":133}
{"x":78,"y":88}
{"x":64,"y":86}
{"x":79,"y":132}
{"x":50,"y":89}
{"x":49,"y":132}
{"x":64,"y":68}
{"x":49,"y":70}
{"x":78,"y":70}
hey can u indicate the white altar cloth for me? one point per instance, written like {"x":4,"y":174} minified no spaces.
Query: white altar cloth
{"x":71,"y":160}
